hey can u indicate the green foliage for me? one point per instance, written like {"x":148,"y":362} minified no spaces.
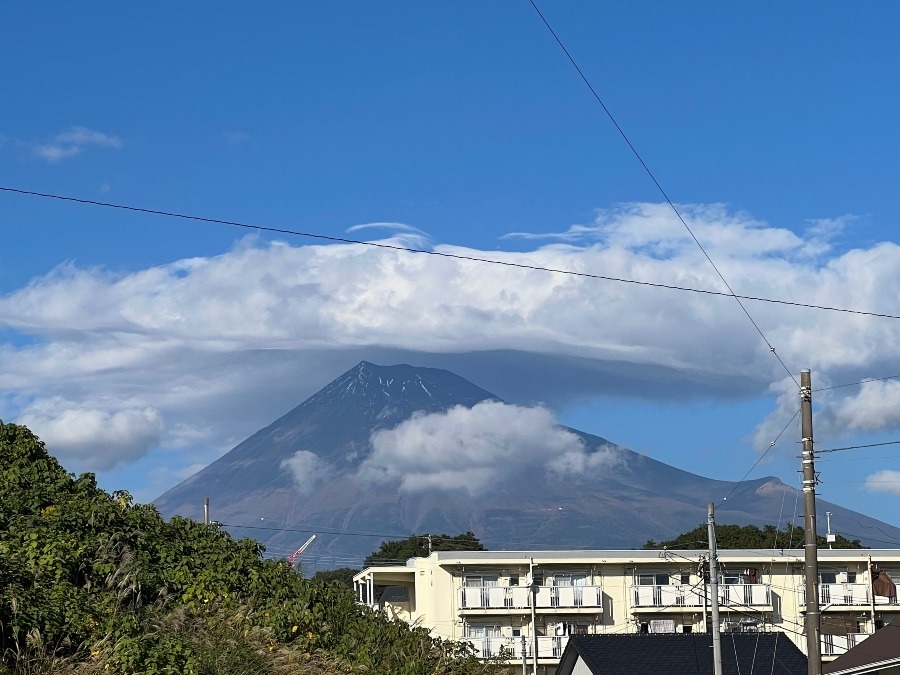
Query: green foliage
{"x":399,"y":551}
{"x":747,"y":536}
{"x":343,"y":576}
{"x":90,"y":582}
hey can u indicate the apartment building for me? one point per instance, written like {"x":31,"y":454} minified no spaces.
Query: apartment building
{"x":511,"y":604}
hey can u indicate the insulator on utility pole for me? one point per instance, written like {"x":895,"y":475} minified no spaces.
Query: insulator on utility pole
{"x":813,"y":623}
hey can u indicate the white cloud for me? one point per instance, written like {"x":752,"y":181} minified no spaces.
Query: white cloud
{"x":884,"y":481}
{"x":217,"y":344}
{"x":91,"y":436}
{"x":474,"y":449}
{"x":236,"y":137}
{"x":876,"y":405}
{"x":308,"y":470}
{"x":71,"y":142}
{"x":393,"y":227}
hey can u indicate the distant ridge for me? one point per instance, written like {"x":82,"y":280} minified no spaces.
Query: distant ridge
{"x":617,"y":506}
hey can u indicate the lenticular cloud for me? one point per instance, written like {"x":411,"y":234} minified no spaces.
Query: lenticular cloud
{"x":192,"y":332}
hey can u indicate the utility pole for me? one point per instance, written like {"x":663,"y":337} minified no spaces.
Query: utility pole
{"x":206,"y":511}
{"x":533,"y":595}
{"x":714,"y":588}
{"x":524,"y":657}
{"x":813,"y":617}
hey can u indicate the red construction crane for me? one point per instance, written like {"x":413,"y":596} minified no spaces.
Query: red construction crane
{"x":292,"y":558}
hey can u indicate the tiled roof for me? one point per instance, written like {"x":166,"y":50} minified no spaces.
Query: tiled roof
{"x":677,"y":654}
{"x":882,"y":647}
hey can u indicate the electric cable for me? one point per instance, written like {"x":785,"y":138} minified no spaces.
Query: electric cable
{"x":660,"y":188}
{"x":442,"y":254}
{"x":857,"y":447}
{"x":862,"y":381}
{"x":761,"y":457}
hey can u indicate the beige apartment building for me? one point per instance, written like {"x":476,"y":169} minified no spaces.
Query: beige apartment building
{"x":508,"y":603}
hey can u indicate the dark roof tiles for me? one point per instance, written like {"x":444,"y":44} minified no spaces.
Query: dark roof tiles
{"x":677,"y":654}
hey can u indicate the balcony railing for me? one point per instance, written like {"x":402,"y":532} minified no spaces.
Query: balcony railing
{"x":517,"y":597}
{"x":682,"y":595}
{"x":744,"y":595}
{"x":549,"y":647}
{"x":839,"y":594}
{"x":835,"y":645}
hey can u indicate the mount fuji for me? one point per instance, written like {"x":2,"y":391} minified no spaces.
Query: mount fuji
{"x":387,"y":451}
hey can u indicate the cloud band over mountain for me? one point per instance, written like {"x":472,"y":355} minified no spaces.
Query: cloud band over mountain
{"x":198,"y":339}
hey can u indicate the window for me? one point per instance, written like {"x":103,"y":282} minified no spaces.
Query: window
{"x":514,"y":580}
{"x":827,"y":577}
{"x":687,"y":629}
{"x":653,"y":579}
{"x":685,"y":578}
{"x":570,"y":580}
{"x":475,"y":630}
{"x":571,"y":628}
{"x":477,"y":580}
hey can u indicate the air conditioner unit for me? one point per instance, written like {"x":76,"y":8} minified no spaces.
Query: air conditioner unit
{"x":842,"y":577}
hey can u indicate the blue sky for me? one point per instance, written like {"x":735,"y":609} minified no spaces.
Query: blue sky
{"x":463,"y":125}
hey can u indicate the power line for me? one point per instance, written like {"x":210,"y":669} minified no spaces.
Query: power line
{"x":660,"y":188}
{"x":862,"y":381}
{"x":855,"y":459}
{"x":440,"y":254}
{"x":313,"y":529}
{"x":857,"y":447}
{"x":771,"y":445}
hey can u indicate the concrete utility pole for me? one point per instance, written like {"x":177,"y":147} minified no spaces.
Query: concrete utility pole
{"x":524,"y":657}
{"x":714,"y":588}
{"x":533,"y":595}
{"x":206,"y":510}
{"x":813,"y":617}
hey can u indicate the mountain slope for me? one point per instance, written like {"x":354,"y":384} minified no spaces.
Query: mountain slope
{"x":302,"y":474}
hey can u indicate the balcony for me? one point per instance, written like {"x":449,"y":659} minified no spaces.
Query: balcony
{"x":730,"y":595}
{"x":744,"y":595}
{"x":839,"y":594}
{"x":835,"y":645}
{"x":517,"y":597}
{"x":511,"y":647}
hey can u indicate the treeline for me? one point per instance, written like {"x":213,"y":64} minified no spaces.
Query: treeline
{"x":92,"y":583}
{"x":748,"y":536}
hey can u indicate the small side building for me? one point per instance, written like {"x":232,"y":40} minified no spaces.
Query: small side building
{"x":675,"y":654}
{"x":879,"y":655}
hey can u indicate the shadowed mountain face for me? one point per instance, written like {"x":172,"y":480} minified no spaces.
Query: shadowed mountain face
{"x":302,"y":474}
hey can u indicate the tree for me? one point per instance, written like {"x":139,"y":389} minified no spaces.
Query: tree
{"x":343,"y":576}
{"x":399,"y":551}
{"x":105,"y":585}
{"x":748,"y":536}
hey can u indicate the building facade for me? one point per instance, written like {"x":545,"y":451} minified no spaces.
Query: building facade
{"x":515,"y":604}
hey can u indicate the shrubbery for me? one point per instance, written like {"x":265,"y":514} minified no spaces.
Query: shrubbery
{"x":90,"y":582}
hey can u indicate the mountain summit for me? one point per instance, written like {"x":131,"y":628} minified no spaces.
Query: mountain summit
{"x":385,"y":451}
